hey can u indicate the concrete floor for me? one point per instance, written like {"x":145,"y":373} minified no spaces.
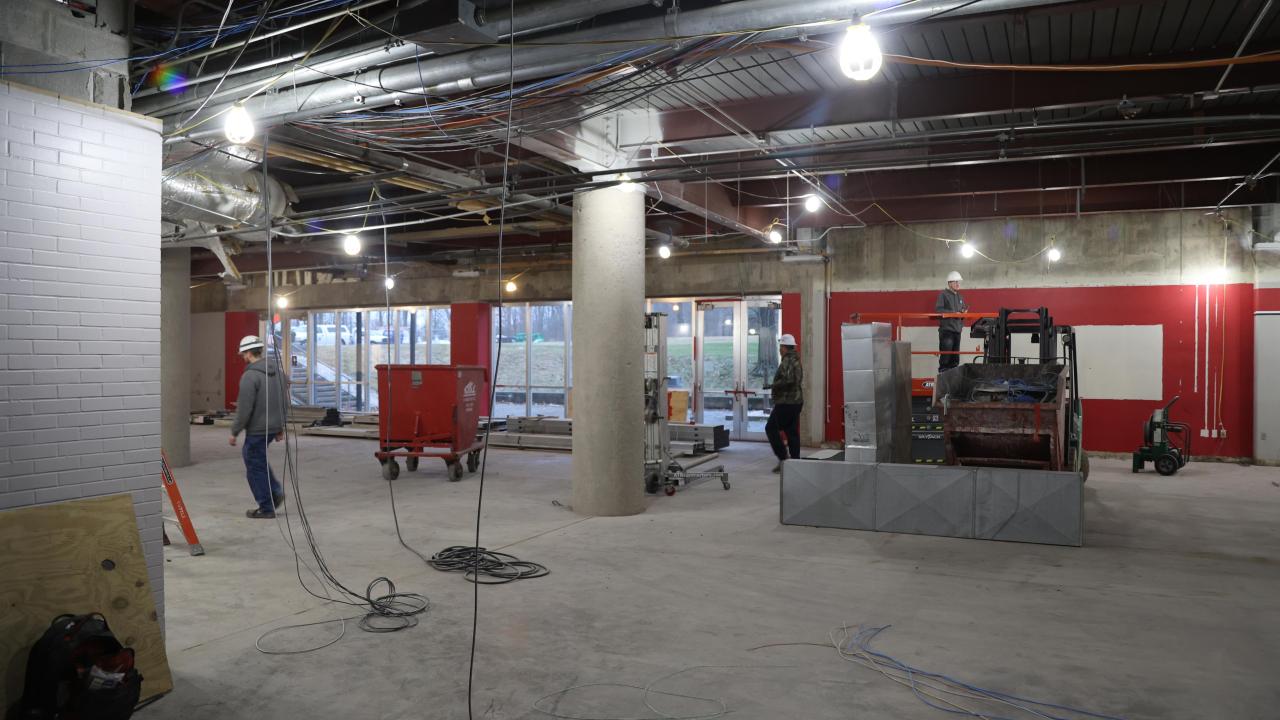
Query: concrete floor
{"x":1169,"y":611}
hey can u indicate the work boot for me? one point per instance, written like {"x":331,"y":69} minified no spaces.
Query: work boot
{"x":259,"y":514}
{"x":278,"y":500}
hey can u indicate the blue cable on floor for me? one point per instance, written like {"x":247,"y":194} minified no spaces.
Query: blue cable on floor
{"x":861,"y":641}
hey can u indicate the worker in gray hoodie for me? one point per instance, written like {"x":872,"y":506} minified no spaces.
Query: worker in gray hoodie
{"x":260,"y":414}
{"x":949,"y":329}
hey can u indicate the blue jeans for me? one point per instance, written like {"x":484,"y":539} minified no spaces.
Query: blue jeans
{"x":262,"y":480}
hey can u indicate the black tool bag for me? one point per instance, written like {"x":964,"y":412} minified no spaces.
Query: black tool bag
{"x":78,"y":670}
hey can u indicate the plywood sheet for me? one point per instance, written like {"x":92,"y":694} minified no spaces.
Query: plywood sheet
{"x":54,"y":559}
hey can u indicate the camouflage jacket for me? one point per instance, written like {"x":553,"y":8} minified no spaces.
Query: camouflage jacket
{"x":787,"y":381}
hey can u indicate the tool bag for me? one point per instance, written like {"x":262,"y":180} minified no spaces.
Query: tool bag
{"x":78,"y":670}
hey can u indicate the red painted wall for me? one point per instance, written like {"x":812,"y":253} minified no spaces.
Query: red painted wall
{"x":238,"y":324}
{"x":1266,"y":300}
{"x":1116,"y":425}
{"x":791,"y":317}
{"x":471,"y":338}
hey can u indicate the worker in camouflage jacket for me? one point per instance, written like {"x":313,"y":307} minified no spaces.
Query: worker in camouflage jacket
{"x":788,"y":401}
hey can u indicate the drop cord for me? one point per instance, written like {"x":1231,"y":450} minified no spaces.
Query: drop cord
{"x":493,"y":385}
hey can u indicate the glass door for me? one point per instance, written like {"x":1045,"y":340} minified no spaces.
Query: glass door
{"x":736,"y":346}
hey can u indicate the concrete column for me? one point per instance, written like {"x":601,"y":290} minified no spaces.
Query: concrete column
{"x":608,"y":352}
{"x":175,"y":355}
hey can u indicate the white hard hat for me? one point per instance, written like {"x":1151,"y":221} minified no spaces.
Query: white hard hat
{"x":250,"y":342}
{"x":954,"y":277}
{"x":787,"y":340}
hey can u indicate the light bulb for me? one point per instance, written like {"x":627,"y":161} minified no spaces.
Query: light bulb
{"x":812,"y":203}
{"x":675,"y":307}
{"x":775,"y":237}
{"x":390,"y":282}
{"x":664,"y":251}
{"x":238,"y":125}
{"x":860,"y":57}
{"x":282,"y":302}
{"x":1055,"y":254}
{"x":966,"y":250}
{"x":351,"y":244}
{"x":511,"y":286}
{"x":625,"y":184}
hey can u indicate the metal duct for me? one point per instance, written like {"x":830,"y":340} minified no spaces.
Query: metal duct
{"x":488,"y":67}
{"x":220,"y":197}
{"x":528,"y":18}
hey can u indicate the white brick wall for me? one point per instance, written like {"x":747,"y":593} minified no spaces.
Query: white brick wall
{"x":80,"y":304}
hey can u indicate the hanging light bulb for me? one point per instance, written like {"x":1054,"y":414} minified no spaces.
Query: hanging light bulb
{"x":238,"y":125}
{"x":860,"y":57}
{"x":812,"y":203}
{"x":510,"y":286}
{"x":775,"y":237}
{"x":1054,"y":254}
{"x":625,"y":184}
{"x":967,"y":250}
{"x":282,"y":302}
{"x":390,"y":282}
{"x":664,"y":251}
{"x":351,"y":244}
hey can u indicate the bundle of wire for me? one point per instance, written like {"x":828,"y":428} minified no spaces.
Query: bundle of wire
{"x":487,"y":567}
{"x":1012,"y":390}
{"x":936,"y":690}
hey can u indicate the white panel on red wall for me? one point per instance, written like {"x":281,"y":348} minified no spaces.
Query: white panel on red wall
{"x":1121,"y":362}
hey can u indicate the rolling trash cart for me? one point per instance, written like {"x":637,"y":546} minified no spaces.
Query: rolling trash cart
{"x":430,"y":411}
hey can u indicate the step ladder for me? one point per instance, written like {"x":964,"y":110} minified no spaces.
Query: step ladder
{"x":179,"y":508}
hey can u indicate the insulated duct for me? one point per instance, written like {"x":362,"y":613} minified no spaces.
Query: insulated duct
{"x":488,"y":67}
{"x":219,"y":197}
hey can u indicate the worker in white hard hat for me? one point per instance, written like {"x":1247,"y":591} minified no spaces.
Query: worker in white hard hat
{"x":949,"y":329}
{"x":788,"y":401}
{"x":260,"y":414}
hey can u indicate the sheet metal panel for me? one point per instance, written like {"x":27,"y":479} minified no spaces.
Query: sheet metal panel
{"x":1029,"y":506}
{"x":925,"y":500}
{"x":823,"y":493}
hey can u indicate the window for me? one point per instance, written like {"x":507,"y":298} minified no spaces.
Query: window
{"x":533,"y":350}
{"x":333,"y":355}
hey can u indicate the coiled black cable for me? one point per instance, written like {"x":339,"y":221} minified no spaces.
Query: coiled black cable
{"x":486,"y":567}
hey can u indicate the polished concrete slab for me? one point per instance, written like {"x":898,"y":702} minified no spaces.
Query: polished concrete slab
{"x":1168,"y":611}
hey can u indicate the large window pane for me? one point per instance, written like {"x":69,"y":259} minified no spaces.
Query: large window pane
{"x":299,"y":367}
{"x":405,"y":337}
{"x":440,"y":336}
{"x":325,"y":368}
{"x":510,"y":401}
{"x":548,"y":401}
{"x":510,"y":350}
{"x":546,"y":343}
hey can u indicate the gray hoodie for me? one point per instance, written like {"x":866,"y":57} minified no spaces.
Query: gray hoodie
{"x":949,"y":301}
{"x":256,"y":413}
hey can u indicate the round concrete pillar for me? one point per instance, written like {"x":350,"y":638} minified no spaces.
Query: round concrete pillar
{"x":608,"y":352}
{"x":175,"y":355}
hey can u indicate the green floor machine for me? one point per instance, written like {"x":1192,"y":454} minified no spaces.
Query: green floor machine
{"x":1159,"y":448}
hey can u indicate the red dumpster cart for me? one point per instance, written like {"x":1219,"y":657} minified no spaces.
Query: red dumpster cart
{"x":429,"y":411}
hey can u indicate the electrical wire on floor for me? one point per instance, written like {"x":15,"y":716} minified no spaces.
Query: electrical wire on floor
{"x":854,"y":644}
{"x":486,"y":567}
{"x":385,"y":609}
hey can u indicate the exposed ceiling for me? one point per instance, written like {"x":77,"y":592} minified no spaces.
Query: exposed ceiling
{"x":384,"y":113}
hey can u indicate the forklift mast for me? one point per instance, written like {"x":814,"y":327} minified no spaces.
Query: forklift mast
{"x":998,"y":334}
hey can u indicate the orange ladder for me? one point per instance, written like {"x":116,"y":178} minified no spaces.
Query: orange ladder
{"x":179,"y":508}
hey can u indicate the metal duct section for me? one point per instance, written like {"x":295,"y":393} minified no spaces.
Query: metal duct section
{"x":488,"y":67}
{"x":220,"y":197}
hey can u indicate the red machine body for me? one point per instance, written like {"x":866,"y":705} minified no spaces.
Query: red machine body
{"x":429,"y":411}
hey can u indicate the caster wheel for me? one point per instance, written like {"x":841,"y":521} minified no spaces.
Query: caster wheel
{"x":411,"y":464}
{"x":390,"y":470}
{"x":1166,"y":464}
{"x":473,"y":462}
{"x":669,"y":490}
{"x":455,"y":472}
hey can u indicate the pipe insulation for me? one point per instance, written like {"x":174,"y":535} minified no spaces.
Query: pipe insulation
{"x":490,"y":66}
{"x":220,"y":197}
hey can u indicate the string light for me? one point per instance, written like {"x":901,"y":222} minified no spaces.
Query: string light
{"x":511,"y":286}
{"x":967,"y":250}
{"x":859,"y":56}
{"x":351,"y":244}
{"x":282,"y":302}
{"x":812,"y":203}
{"x":625,"y":184}
{"x":390,"y":283}
{"x":238,"y":125}
{"x":664,"y":251}
{"x":1054,"y":254}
